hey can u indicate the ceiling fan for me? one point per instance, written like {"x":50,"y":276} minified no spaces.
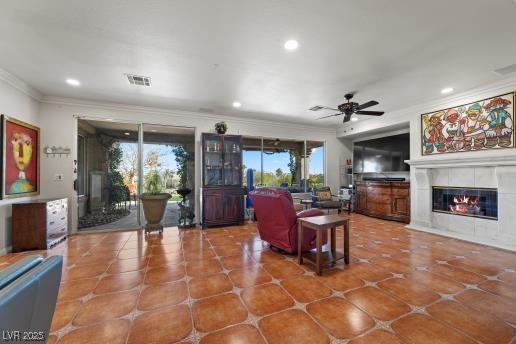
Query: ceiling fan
{"x":350,"y":108}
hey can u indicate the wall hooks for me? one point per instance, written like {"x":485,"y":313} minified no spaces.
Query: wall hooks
{"x":66,"y":151}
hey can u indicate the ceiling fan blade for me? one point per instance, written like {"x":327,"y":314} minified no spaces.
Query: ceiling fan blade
{"x":337,"y":114}
{"x":368,"y":104}
{"x":370,"y":113}
{"x":329,"y":108}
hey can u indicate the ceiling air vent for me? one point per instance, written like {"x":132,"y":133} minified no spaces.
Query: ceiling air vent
{"x":139,"y":80}
{"x":505,"y":70}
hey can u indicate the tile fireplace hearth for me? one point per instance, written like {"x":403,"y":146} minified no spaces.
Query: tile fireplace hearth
{"x":475,"y":202}
{"x":489,"y":224}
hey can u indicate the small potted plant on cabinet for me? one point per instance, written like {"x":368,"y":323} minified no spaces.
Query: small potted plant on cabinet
{"x":154,"y":202}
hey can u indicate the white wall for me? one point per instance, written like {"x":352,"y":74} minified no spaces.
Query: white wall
{"x":59,"y":125}
{"x":18,"y":101}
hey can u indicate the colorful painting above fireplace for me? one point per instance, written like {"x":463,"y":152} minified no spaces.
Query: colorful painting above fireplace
{"x":482,"y":125}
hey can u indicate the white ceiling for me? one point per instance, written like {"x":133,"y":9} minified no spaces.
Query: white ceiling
{"x":203,"y":55}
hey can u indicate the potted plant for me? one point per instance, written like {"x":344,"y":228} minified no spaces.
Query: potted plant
{"x":221,"y":127}
{"x":154,"y":202}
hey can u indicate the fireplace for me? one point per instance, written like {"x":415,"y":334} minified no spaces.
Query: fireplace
{"x":475,"y":202}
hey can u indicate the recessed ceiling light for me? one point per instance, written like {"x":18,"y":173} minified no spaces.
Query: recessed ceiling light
{"x":237,"y":104}
{"x":73,"y":82}
{"x":447,"y":90}
{"x":127,"y":134}
{"x":354,"y":119}
{"x":291,"y":44}
{"x":109,"y":119}
{"x":153,"y":130}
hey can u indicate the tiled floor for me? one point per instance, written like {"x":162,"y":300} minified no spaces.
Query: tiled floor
{"x":225,"y":286}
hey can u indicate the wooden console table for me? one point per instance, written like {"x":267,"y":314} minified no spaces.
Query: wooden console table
{"x":320,"y":224}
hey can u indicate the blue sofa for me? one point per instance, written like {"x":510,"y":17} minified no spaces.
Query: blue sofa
{"x":28,"y":295}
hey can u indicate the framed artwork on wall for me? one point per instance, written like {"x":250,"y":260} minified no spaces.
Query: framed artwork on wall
{"x":482,"y":125}
{"x":20,"y":158}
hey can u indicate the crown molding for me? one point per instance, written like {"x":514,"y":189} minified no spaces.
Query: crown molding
{"x":507,"y":84}
{"x":179,"y":113}
{"x":507,"y":159}
{"x":20,"y":85}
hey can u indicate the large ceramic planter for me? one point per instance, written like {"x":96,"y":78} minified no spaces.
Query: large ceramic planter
{"x":154,"y":206}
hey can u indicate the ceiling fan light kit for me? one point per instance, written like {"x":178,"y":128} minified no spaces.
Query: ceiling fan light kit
{"x":349,"y":108}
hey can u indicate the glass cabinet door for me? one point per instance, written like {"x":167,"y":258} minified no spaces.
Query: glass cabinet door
{"x":232,"y":161}
{"x":213,"y":151}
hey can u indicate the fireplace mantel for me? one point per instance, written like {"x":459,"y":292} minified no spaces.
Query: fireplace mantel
{"x":508,"y":159}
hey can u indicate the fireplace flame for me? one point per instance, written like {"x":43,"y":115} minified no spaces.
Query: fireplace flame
{"x":464,"y":204}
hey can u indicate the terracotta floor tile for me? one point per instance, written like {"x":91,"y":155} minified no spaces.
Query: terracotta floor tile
{"x":508,"y":277}
{"x":219,"y":241}
{"x":75,"y":289}
{"x":216,"y":312}
{"x":203,"y":267}
{"x":166,"y":259}
{"x":267,"y":256}
{"x":162,"y":295}
{"x":377,"y":303}
{"x":166,"y":249}
{"x":419,"y":328}
{"x":391,"y":265}
{"x":166,"y":325}
{"x":84,"y":271}
{"x":96,"y":259}
{"x":127,"y":265}
{"x":341,"y":280}
{"x":292,"y":326}
{"x":119,"y":282}
{"x":499,"y":288}
{"x":482,"y":326}
{"x":191,"y":255}
{"x":249,"y":276}
{"x":503,"y":308}
{"x":435,"y":282}
{"x":64,"y":313}
{"x":209,"y":285}
{"x":134,"y":253}
{"x":363,"y":253}
{"x":341,"y":318}
{"x":377,"y":337}
{"x":306,"y":288}
{"x":478,"y":268}
{"x":237,"y":262}
{"x":412,"y":293}
{"x":247,"y":334}
{"x":164,"y":274}
{"x":457,"y":274}
{"x":367,"y":272}
{"x":283,"y":269}
{"x":266,"y":299}
{"x":106,"y":307}
{"x":228,"y":250}
{"x":113,"y":332}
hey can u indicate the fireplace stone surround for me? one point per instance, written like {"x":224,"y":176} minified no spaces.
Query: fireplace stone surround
{"x":482,"y":172}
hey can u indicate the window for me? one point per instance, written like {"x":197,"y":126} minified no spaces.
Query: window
{"x":278,"y":162}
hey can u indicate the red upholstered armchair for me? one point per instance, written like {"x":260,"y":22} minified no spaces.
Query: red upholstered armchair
{"x":277,"y":219}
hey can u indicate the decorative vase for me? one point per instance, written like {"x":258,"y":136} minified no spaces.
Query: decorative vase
{"x":154,"y":206}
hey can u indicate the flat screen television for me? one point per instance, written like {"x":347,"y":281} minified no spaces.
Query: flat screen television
{"x":384,"y":154}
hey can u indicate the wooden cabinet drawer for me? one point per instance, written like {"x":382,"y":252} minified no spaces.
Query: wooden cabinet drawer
{"x":400,"y":192}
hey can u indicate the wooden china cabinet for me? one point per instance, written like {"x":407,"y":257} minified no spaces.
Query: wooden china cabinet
{"x":222,"y":194}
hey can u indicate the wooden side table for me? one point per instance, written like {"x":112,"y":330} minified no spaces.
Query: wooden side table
{"x":320,"y":224}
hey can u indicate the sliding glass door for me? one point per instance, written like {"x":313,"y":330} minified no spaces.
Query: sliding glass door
{"x":109,"y":160}
{"x":107,"y":175}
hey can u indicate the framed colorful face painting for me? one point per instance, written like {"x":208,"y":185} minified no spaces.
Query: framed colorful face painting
{"x":482,"y":125}
{"x":20,"y":158}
